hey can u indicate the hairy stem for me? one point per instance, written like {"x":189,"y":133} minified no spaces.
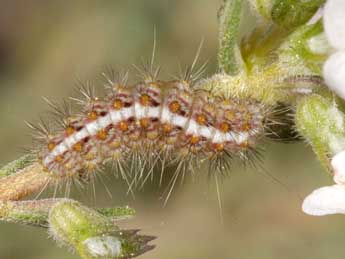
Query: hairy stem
{"x":24,"y":182}
{"x":16,"y":165}
{"x":229,"y":56}
{"x":36,"y":212}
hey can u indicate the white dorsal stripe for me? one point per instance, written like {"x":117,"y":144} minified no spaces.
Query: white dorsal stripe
{"x":220,"y":137}
{"x":92,"y":127}
{"x":166,"y":115}
{"x":104,"y":122}
{"x":192,"y":128}
{"x":140,"y":111}
{"x":116,"y":116}
{"x":153,"y":112}
{"x":127,"y":113}
{"x":176,"y":120}
{"x":81,"y":134}
{"x":207,"y":132}
{"x":241,"y":137}
{"x":146,"y":111}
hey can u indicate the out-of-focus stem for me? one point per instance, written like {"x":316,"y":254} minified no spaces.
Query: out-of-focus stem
{"x":16,"y":165}
{"x":24,"y":182}
{"x":36,"y":212}
{"x":27,"y":212}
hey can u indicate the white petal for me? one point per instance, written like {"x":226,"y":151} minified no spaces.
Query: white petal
{"x":325,"y":201}
{"x":338,"y":165}
{"x":334,"y":72}
{"x":334,"y":23}
{"x":103,"y":246}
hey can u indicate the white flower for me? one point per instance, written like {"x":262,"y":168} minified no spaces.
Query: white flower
{"x":334,"y":25}
{"x":338,"y":165}
{"x":334,"y":73}
{"x":329,"y":199}
{"x":325,"y":201}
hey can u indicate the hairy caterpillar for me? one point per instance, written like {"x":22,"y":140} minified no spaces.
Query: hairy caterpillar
{"x":151,"y":122}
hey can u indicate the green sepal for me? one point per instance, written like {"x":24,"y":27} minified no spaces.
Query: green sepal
{"x":293,"y":13}
{"x":304,"y":51}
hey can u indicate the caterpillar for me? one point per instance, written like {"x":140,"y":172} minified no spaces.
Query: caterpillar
{"x":153,"y":121}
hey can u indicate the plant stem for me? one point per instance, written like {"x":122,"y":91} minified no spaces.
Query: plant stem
{"x":24,"y":182}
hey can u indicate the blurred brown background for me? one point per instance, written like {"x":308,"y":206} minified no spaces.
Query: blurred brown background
{"x":46,"y":45}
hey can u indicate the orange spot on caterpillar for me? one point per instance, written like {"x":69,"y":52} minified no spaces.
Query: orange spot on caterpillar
{"x":246,"y":127}
{"x":218,"y":147}
{"x":144,"y":123}
{"x":59,"y":158}
{"x":167,"y":128}
{"x":194,"y":140}
{"x":145,"y":100}
{"x":123,"y":125}
{"x":201,"y":119}
{"x":224,"y":127}
{"x":102,"y":134}
{"x":51,"y":146}
{"x":118,"y":104}
{"x":174,"y":106}
{"x":78,"y":147}
{"x":70,"y":131}
{"x":92,"y":115}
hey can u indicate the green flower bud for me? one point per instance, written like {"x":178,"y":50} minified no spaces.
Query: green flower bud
{"x":93,"y":235}
{"x":323,"y":125}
